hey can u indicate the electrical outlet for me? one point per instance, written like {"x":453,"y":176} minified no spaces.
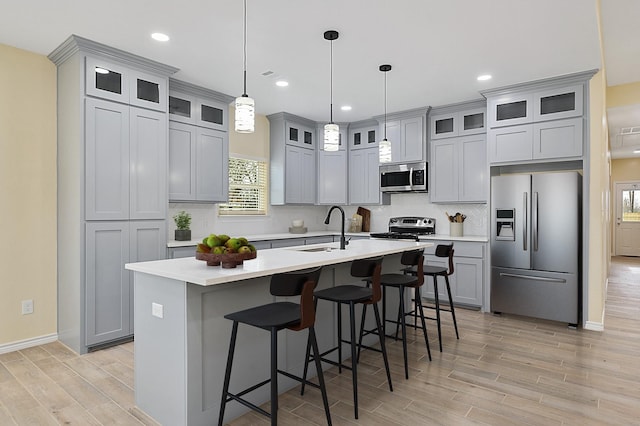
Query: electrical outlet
{"x":157,"y":310}
{"x":27,"y":307}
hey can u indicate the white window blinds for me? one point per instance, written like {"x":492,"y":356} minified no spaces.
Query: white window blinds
{"x":247,"y":188}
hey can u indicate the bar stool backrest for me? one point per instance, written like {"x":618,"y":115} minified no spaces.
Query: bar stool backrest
{"x":415,"y":258}
{"x":446,"y":250}
{"x":369,"y":268}
{"x":298,"y":283}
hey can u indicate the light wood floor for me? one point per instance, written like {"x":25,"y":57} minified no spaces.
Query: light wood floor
{"x":503,"y":371}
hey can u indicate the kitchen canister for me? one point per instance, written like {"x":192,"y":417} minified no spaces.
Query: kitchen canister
{"x":455,"y":229}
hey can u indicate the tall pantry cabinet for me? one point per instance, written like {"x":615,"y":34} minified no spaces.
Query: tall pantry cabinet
{"x":112,"y":185}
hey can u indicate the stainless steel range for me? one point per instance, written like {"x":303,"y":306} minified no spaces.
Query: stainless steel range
{"x":408,"y":228}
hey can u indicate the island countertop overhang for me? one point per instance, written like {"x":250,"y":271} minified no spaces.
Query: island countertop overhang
{"x":272,"y":261}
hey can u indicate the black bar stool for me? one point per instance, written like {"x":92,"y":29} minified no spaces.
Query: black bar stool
{"x":274,"y":317}
{"x":413,"y":258}
{"x":442,"y":250}
{"x":351,"y":295}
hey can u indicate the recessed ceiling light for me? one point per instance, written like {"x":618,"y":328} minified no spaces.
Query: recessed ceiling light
{"x":160,"y":37}
{"x":101,"y":70}
{"x":282,"y":83}
{"x":484,"y":77}
{"x":637,"y":151}
{"x":346,"y":107}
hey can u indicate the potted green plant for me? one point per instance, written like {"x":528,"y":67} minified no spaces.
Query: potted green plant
{"x":183,"y":226}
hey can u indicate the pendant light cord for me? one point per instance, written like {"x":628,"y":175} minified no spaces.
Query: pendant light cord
{"x":385,"y":105}
{"x":330,"y":84}
{"x":244,"y":50}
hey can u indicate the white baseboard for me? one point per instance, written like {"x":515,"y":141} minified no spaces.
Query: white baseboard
{"x":28,"y":343}
{"x":595,"y":326}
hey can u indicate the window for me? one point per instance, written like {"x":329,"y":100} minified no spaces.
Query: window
{"x":631,"y":205}
{"x":247,"y":188}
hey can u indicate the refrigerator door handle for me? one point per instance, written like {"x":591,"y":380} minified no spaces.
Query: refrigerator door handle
{"x":534,"y":221}
{"x":524,"y":222}
{"x":530,"y":277}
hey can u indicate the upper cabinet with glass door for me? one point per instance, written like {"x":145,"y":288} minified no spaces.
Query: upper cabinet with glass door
{"x":458,"y":123}
{"x":195,"y":105}
{"x":553,"y":104}
{"x":510,"y":110}
{"x":364,"y":134}
{"x":115,"y":82}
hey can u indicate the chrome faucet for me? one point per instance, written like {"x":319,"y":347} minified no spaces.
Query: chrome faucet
{"x":343,"y":242}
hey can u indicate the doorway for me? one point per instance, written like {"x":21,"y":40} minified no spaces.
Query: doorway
{"x":627,"y":232}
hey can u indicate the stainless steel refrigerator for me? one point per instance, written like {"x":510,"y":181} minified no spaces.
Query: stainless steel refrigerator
{"x":536,"y":244}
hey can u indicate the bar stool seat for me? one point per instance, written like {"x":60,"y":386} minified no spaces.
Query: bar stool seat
{"x":348,"y":294}
{"x":274,"y":317}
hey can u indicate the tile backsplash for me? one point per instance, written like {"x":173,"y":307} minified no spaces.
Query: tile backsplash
{"x":205,"y":219}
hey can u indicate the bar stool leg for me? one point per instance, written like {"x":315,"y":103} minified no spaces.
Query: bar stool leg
{"x":227,"y":373}
{"x":384,"y":310}
{"x":437,"y":298}
{"x":424,"y":325}
{"x":274,"y":377}
{"x":323,"y":388}
{"x":404,"y":332}
{"x":453,"y":312}
{"x":364,"y":318}
{"x":339,"y":305}
{"x":308,"y":353}
{"x":354,"y":364}
{"x":381,"y":337}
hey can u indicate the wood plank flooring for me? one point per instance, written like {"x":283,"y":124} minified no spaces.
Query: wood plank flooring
{"x":504,"y":370}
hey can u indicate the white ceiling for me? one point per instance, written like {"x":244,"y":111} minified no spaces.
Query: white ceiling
{"x":436,"y":48}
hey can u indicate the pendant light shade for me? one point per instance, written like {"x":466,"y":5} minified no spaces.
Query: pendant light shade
{"x":331,"y":130}
{"x":384,"y":146}
{"x":245,"y":106}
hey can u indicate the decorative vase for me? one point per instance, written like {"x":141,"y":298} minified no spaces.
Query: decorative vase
{"x":183,"y":235}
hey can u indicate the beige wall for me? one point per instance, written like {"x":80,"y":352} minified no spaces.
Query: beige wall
{"x":598,"y":216}
{"x":623,"y":94}
{"x":250,"y":145}
{"x":625,"y":169}
{"x":28,"y":193}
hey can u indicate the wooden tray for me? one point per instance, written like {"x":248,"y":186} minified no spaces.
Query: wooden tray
{"x":366,"y":218}
{"x":230,"y":260}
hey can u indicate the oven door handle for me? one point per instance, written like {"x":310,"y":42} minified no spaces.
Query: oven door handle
{"x":411,"y":177}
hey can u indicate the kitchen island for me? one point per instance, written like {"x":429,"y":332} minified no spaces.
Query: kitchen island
{"x":182,"y":338}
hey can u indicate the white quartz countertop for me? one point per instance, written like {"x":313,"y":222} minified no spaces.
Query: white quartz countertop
{"x":272,"y":261}
{"x":310,"y":234}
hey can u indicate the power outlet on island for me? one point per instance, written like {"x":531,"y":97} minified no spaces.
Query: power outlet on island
{"x":27,"y":306}
{"x":157,"y":310}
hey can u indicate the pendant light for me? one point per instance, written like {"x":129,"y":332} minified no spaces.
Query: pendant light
{"x":384,"y":146}
{"x":245,"y":106}
{"x":331,"y":130}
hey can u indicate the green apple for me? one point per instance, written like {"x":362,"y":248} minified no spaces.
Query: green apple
{"x":243,"y":241}
{"x":223,"y":238}
{"x":218,"y":250}
{"x":251,"y":247}
{"x":244,"y":249}
{"x":213,"y":241}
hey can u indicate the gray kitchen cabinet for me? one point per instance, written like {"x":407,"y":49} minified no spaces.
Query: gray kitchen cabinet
{"x":108,"y":295}
{"x":198,"y":164}
{"x":510,"y":109}
{"x":178,"y":252}
{"x":116,"y":82}
{"x":109,"y":287}
{"x":287,"y":242}
{"x":467,"y":281}
{"x":319,"y":240}
{"x":111,"y":184}
{"x":199,"y":106}
{"x":364,"y":134}
{"x":509,"y":144}
{"x":293,"y":160}
{"x":300,"y":174}
{"x":558,"y":139}
{"x":458,"y":123}
{"x":262,"y":244}
{"x":558,"y":103}
{"x":332,"y":177}
{"x":459,"y":171}
{"x":126,"y":155}
{"x":198,"y":144}
{"x":407,"y":137}
{"x":364,"y":177}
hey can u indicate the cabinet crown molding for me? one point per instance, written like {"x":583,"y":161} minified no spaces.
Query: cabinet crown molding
{"x":563,"y":80}
{"x":75,"y":44}
{"x":291,"y":117}
{"x":198,"y":91}
{"x":458,"y":106}
{"x":399,"y":115}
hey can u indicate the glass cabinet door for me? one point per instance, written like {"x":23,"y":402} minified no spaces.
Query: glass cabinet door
{"x":511,"y":110}
{"x":558,"y":103}
{"x":472,"y":122}
{"x":106,"y":80}
{"x":211,"y":114}
{"x":181,"y":108}
{"x":444,"y":126}
{"x":148,"y":91}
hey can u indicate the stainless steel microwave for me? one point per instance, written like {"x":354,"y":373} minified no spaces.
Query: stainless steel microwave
{"x":410,"y":177}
